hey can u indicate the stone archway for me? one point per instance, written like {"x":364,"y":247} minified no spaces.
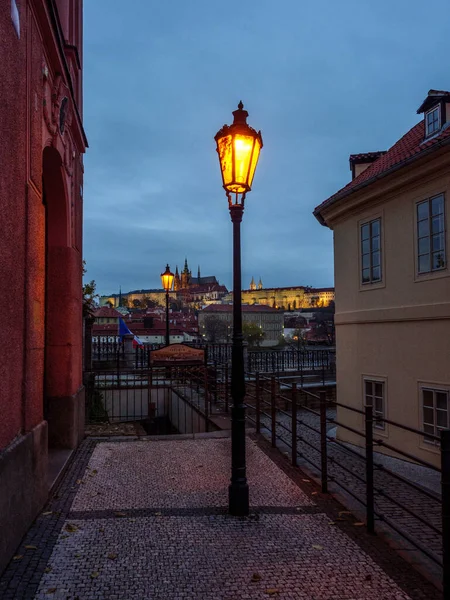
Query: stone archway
{"x":63,"y":391}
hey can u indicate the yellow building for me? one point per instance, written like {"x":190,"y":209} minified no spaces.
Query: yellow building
{"x":391,"y":227}
{"x":286,"y":298}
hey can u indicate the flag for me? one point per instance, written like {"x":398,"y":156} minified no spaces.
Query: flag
{"x":123,"y":330}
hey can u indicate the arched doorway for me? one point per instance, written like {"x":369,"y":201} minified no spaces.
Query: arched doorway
{"x":63,"y":397}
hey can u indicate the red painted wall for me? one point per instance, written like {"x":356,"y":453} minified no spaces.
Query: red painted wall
{"x":37,"y":71}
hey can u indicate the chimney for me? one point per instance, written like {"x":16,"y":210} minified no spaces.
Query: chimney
{"x":360,"y":162}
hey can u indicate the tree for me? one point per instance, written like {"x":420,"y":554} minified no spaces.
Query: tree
{"x":325,"y":325}
{"x":253,"y":333}
{"x":297,"y":340}
{"x":147,"y":302}
{"x":136,"y":303}
{"x":89,"y":295}
{"x":215,"y":329}
{"x":124,"y":302}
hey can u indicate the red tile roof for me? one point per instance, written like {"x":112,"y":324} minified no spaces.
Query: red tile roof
{"x":107,"y":312}
{"x":367,"y":155}
{"x":408,"y":148}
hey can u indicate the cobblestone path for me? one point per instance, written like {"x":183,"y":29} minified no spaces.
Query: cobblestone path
{"x":147,"y":519}
{"x":424,"y":528}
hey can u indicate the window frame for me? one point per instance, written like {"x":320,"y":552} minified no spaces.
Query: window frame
{"x":369,"y":222}
{"x":435,"y":389}
{"x":380,"y":427}
{"x":429,"y":236}
{"x":437,"y":109}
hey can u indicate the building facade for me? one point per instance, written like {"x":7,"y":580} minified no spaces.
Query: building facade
{"x":285,"y":298}
{"x":391,"y":243}
{"x":270,"y":320}
{"x":41,"y":183}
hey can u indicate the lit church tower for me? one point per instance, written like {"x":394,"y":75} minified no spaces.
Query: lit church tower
{"x":176,"y":281}
{"x":252,"y":284}
{"x":260,"y":285}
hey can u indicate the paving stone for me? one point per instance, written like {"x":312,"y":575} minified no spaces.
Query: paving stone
{"x":175,"y":540}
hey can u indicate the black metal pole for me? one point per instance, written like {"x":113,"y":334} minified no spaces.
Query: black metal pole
{"x":445,"y":489}
{"x":323,"y":441}
{"x":167,"y":319}
{"x":370,"y":509}
{"x":238,"y":500}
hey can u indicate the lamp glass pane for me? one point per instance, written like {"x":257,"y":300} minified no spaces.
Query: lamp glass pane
{"x":255,"y":158}
{"x":243,"y":146}
{"x":167,"y":280}
{"x":225,"y":149}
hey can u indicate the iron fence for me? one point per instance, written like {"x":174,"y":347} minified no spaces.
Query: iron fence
{"x":302,"y":421}
{"x":303,"y":361}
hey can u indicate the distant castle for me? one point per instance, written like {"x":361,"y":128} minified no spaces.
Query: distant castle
{"x":253,"y":285}
{"x":185,"y":281}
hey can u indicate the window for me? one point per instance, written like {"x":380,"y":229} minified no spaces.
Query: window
{"x":371,"y":251}
{"x":431,"y":235}
{"x":374,"y":397}
{"x":435,"y":412}
{"x":432,"y":121}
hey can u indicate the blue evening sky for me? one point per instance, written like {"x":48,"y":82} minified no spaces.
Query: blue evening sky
{"x":321,"y":80}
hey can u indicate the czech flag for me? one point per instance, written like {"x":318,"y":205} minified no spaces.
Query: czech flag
{"x":123,"y":330}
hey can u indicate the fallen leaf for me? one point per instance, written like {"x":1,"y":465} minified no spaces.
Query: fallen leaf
{"x":158,"y":514}
{"x":30,"y":547}
{"x":307,"y":480}
{"x":51,"y":590}
{"x":317,"y":547}
{"x":18,"y":557}
{"x":112,"y":556}
{"x":298,"y":508}
{"x":48,"y":570}
{"x":256,"y":577}
{"x":120,"y":514}
{"x":331,"y":523}
{"x":48,"y":512}
{"x":314,"y":493}
{"x":101,"y":530}
{"x":63,"y":537}
{"x":78,"y":481}
{"x":70,"y":527}
{"x":272,"y":591}
{"x":344,"y":512}
{"x":77,"y":555}
{"x":340,"y":519}
{"x":359,"y":524}
{"x":95,"y":574}
{"x":95,"y":471}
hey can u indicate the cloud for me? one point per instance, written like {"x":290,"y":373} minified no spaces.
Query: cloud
{"x":321,"y":80}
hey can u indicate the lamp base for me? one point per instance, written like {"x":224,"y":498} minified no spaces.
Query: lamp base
{"x":238,"y":501}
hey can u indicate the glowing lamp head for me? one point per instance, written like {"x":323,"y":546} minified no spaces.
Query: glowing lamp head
{"x":167,"y":279}
{"x":238,"y":147}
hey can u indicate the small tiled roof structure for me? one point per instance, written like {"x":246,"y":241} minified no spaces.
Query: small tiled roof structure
{"x":412,"y":146}
{"x":245,"y":308}
{"x":106,"y":312}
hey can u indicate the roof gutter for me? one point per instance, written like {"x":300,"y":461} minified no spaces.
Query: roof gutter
{"x":317,"y":211}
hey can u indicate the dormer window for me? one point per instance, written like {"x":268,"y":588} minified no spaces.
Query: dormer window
{"x":432,"y":121}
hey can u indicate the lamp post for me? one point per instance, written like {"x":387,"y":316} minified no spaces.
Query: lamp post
{"x":167,"y":281}
{"x":238,"y":147}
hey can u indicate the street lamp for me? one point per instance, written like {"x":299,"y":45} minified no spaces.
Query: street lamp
{"x":238,"y":147}
{"x":167,"y":281}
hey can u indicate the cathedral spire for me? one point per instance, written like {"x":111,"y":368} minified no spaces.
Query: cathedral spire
{"x":252,"y":284}
{"x":120,"y":295}
{"x":199,"y":273}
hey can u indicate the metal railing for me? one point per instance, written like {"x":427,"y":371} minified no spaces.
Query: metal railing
{"x":301,"y":420}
